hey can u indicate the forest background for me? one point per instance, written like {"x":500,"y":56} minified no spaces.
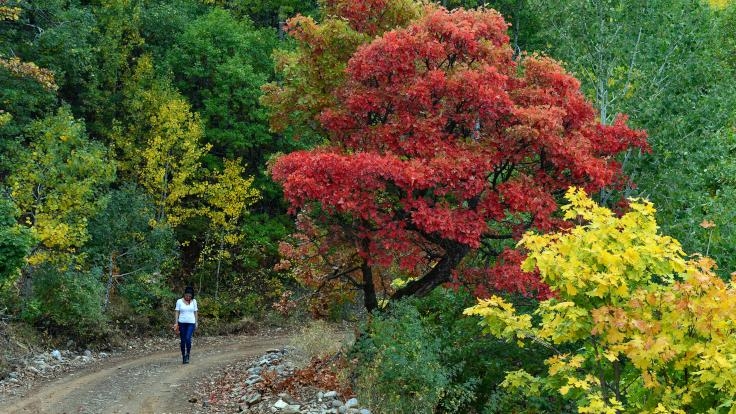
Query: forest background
{"x":143,"y":147}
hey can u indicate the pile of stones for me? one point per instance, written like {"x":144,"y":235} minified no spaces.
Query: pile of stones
{"x":252,"y":400}
{"x":43,"y":365}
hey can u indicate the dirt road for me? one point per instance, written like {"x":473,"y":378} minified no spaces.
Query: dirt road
{"x":154,"y":383}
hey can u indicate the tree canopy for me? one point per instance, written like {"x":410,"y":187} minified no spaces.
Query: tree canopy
{"x":450,"y":142}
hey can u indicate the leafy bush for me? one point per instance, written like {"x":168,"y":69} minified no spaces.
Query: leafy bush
{"x":229,"y":307}
{"x":400,"y":369}
{"x":651,"y":331}
{"x":463,"y":369}
{"x":67,"y":302}
{"x":15,"y":245}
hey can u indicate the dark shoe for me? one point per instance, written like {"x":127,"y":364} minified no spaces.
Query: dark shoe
{"x":186,"y":359}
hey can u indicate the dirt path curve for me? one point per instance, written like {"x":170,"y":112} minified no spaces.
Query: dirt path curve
{"x":150,"y":384}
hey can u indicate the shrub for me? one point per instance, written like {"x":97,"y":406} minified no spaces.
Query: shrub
{"x":468,"y":367}
{"x":652,"y":331}
{"x":400,"y":370}
{"x":67,"y":302}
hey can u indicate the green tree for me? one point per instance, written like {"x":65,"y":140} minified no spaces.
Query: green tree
{"x":219,"y":63}
{"x":268,"y":12}
{"x":670,"y":66}
{"x":125,"y":243}
{"x":118,"y":44}
{"x":15,"y":244}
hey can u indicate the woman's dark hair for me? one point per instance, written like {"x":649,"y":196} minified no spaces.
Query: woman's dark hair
{"x":189,"y":290}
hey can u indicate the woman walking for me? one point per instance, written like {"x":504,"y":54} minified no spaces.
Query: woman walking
{"x":186,"y":321}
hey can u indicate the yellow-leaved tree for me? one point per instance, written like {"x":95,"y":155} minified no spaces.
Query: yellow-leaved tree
{"x":58,"y":185}
{"x":159,"y":145}
{"x":651,"y":331}
{"x":228,"y":196}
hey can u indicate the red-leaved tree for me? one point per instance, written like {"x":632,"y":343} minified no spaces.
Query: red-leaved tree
{"x":440,"y":140}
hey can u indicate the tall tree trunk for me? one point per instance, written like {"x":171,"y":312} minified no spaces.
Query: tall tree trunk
{"x":369,"y":291}
{"x":219,"y":261}
{"x":110,"y":278}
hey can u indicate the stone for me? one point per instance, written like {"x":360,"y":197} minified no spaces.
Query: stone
{"x":254,"y":398}
{"x":342,"y":409}
{"x":253,"y":380}
{"x":353,"y":402}
{"x":336,"y":403}
{"x":87,"y":353}
{"x":365,"y":411}
{"x":281,"y":404}
{"x":292,"y":409}
{"x":331,"y":394}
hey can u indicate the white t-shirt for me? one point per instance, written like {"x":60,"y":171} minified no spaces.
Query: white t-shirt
{"x":186,"y":312}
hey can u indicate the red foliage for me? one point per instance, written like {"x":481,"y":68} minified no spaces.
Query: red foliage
{"x":439,"y":132}
{"x":506,"y":276}
{"x":371,"y":17}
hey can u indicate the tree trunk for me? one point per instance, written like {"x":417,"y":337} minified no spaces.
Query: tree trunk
{"x":440,"y":273}
{"x":110,"y":278}
{"x":219,"y":261}
{"x":369,"y":291}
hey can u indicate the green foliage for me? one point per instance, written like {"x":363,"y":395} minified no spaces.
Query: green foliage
{"x":66,"y":45}
{"x":118,"y":43}
{"x":464,"y":368}
{"x":149,"y":296}
{"x":219,"y":63}
{"x":269,"y":12}
{"x":67,"y":302}
{"x":669,"y":64}
{"x":130,"y":250}
{"x":15,"y":244}
{"x":263,"y":232}
{"x":165,"y":20}
{"x":400,"y":370}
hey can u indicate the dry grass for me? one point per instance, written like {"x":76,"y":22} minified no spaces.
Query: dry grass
{"x":319,"y":339}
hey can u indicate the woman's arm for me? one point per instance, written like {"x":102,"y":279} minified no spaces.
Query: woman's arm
{"x":176,"y":317}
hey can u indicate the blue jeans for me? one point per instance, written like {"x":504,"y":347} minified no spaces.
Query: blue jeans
{"x":186,"y":330}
